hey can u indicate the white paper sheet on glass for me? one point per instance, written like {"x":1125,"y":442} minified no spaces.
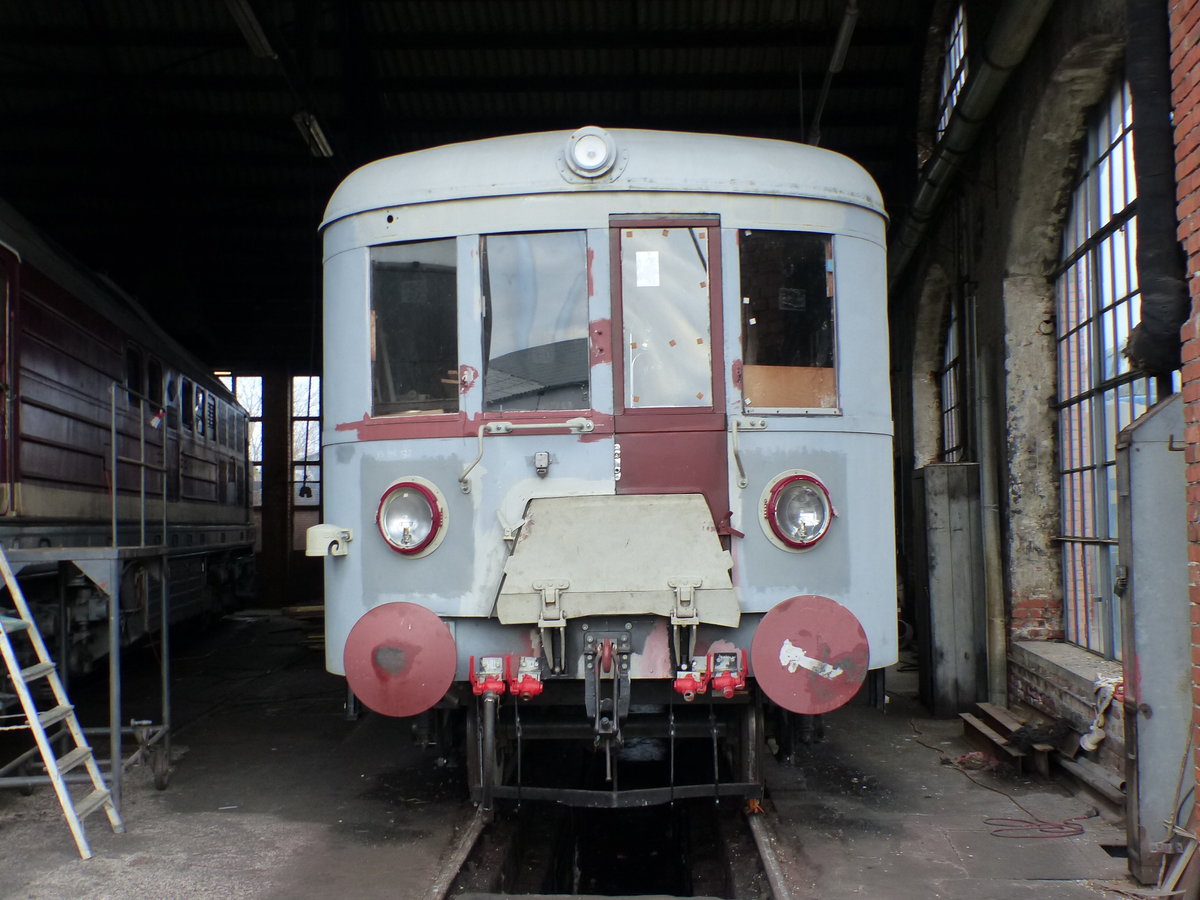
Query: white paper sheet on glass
{"x":647,"y":268}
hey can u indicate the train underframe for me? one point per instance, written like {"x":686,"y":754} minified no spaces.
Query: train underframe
{"x":572,"y":747}
{"x":694,"y":724}
{"x":70,"y":599}
{"x":612,"y":711}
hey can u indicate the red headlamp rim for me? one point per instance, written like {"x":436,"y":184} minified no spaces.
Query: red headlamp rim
{"x":773,"y":502}
{"x":435,"y":516}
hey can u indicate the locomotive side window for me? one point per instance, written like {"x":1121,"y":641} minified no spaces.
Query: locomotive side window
{"x":186,"y":404}
{"x":154,"y":374}
{"x":414,"y":328}
{"x":787,"y":320}
{"x":198,"y":416}
{"x":535,"y":321}
{"x":134,"y":379}
{"x":172,"y":400}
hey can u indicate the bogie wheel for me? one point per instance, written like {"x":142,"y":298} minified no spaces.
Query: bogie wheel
{"x":486,"y":750}
{"x":751,"y":740}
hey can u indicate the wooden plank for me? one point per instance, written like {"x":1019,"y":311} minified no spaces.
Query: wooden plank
{"x":789,"y":387}
{"x":1001,"y":718}
{"x":974,"y":728}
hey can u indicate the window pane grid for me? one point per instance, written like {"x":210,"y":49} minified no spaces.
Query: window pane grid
{"x":954,"y":69}
{"x":1098,"y":304}
{"x":306,"y":440}
{"x":950,"y":376}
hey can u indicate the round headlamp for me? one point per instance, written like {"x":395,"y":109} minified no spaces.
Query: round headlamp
{"x":797,"y":510}
{"x":411,"y":516}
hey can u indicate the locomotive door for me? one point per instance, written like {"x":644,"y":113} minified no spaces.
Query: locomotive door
{"x":670,"y":392}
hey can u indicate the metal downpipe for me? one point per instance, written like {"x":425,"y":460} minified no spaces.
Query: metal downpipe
{"x":996,"y":629}
{"x":1155,"y":346}
{"x":1009,"y":40}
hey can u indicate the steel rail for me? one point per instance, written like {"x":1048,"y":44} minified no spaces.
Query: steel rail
{"x":458,"y":855}
{"x":764,"y":840}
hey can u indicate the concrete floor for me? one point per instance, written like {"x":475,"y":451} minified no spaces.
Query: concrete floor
{"x":275,"y":794}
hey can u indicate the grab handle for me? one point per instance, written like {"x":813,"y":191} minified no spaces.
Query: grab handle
{"x":577,"y":425}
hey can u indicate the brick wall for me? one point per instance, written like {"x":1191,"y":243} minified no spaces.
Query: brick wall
{"x":1036,"y":617}
{"x":1185,"y":98}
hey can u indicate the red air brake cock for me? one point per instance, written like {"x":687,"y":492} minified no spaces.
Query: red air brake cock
{"x":693,"y":682}
{"x":527,"y":681}
{"x":728,"y":672}
{"x":490,"y":676}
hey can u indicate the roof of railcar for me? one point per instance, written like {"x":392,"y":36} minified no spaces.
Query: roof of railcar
{"x":647,"y":161}
{"x":97,"y":292}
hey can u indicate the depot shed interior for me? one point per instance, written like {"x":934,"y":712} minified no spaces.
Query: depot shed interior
{"x":187,"y":149}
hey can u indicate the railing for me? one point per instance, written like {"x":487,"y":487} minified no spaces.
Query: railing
{"x":140,"y":462}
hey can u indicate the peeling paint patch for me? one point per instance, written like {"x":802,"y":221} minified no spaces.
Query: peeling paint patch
{"x":467,"y":376}
{"x":792,"y":658}
{"x":600,"y":334}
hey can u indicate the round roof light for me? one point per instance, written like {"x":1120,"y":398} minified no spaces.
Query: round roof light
{"x":591,"y":152}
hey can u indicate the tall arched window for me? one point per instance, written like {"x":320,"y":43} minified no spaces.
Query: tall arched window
{"x":1098,"y":304}
{"x":950,"y":381}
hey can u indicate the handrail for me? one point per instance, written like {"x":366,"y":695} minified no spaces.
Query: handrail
{"x":114,"y":389}
{"x":577,"y":425}
{"x":755,"y":424}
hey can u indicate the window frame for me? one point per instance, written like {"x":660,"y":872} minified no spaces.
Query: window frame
{"x":955,"y":69}
{"x":1096,"y":285}
{"x":488,"y":315}
{"x":952,"y":390}
{"x":678,"y":416}
{"x":377,"y":406}
{"x":831,"y":275}
{"x":310,"y":420}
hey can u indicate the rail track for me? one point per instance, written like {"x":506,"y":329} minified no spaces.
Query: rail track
{"x":693,"y":848}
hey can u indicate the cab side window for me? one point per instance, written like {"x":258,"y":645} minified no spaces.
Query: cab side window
{"x":788,"y":331}
{"x":414,"y":328}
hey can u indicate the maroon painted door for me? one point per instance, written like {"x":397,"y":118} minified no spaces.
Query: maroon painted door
{"x":669,"y":384}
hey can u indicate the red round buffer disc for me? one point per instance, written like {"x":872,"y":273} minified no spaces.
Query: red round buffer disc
{"x":399,"y":659}
{"x":810,"y":654}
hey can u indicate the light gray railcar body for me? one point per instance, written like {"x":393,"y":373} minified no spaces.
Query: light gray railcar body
{"x":604,"y":334}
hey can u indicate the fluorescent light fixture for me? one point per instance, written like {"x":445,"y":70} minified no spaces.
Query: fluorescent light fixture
{"x":248,"y":24}
{"x":310,"y":130}
{"x":845,"y":33}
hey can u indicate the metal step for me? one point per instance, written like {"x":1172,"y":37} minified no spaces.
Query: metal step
{"x":39,"y":720}
{"x":75,"y":757}
{"x":92,"y":802}
{"x":41,"y":670}
{"x":57,"y":714}
{"x":11,"y":624}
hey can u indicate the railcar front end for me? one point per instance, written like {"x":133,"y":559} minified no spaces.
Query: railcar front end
{"x":607,"y":449}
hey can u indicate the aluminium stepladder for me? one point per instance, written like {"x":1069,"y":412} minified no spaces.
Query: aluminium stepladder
{"x":39,"y":720}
